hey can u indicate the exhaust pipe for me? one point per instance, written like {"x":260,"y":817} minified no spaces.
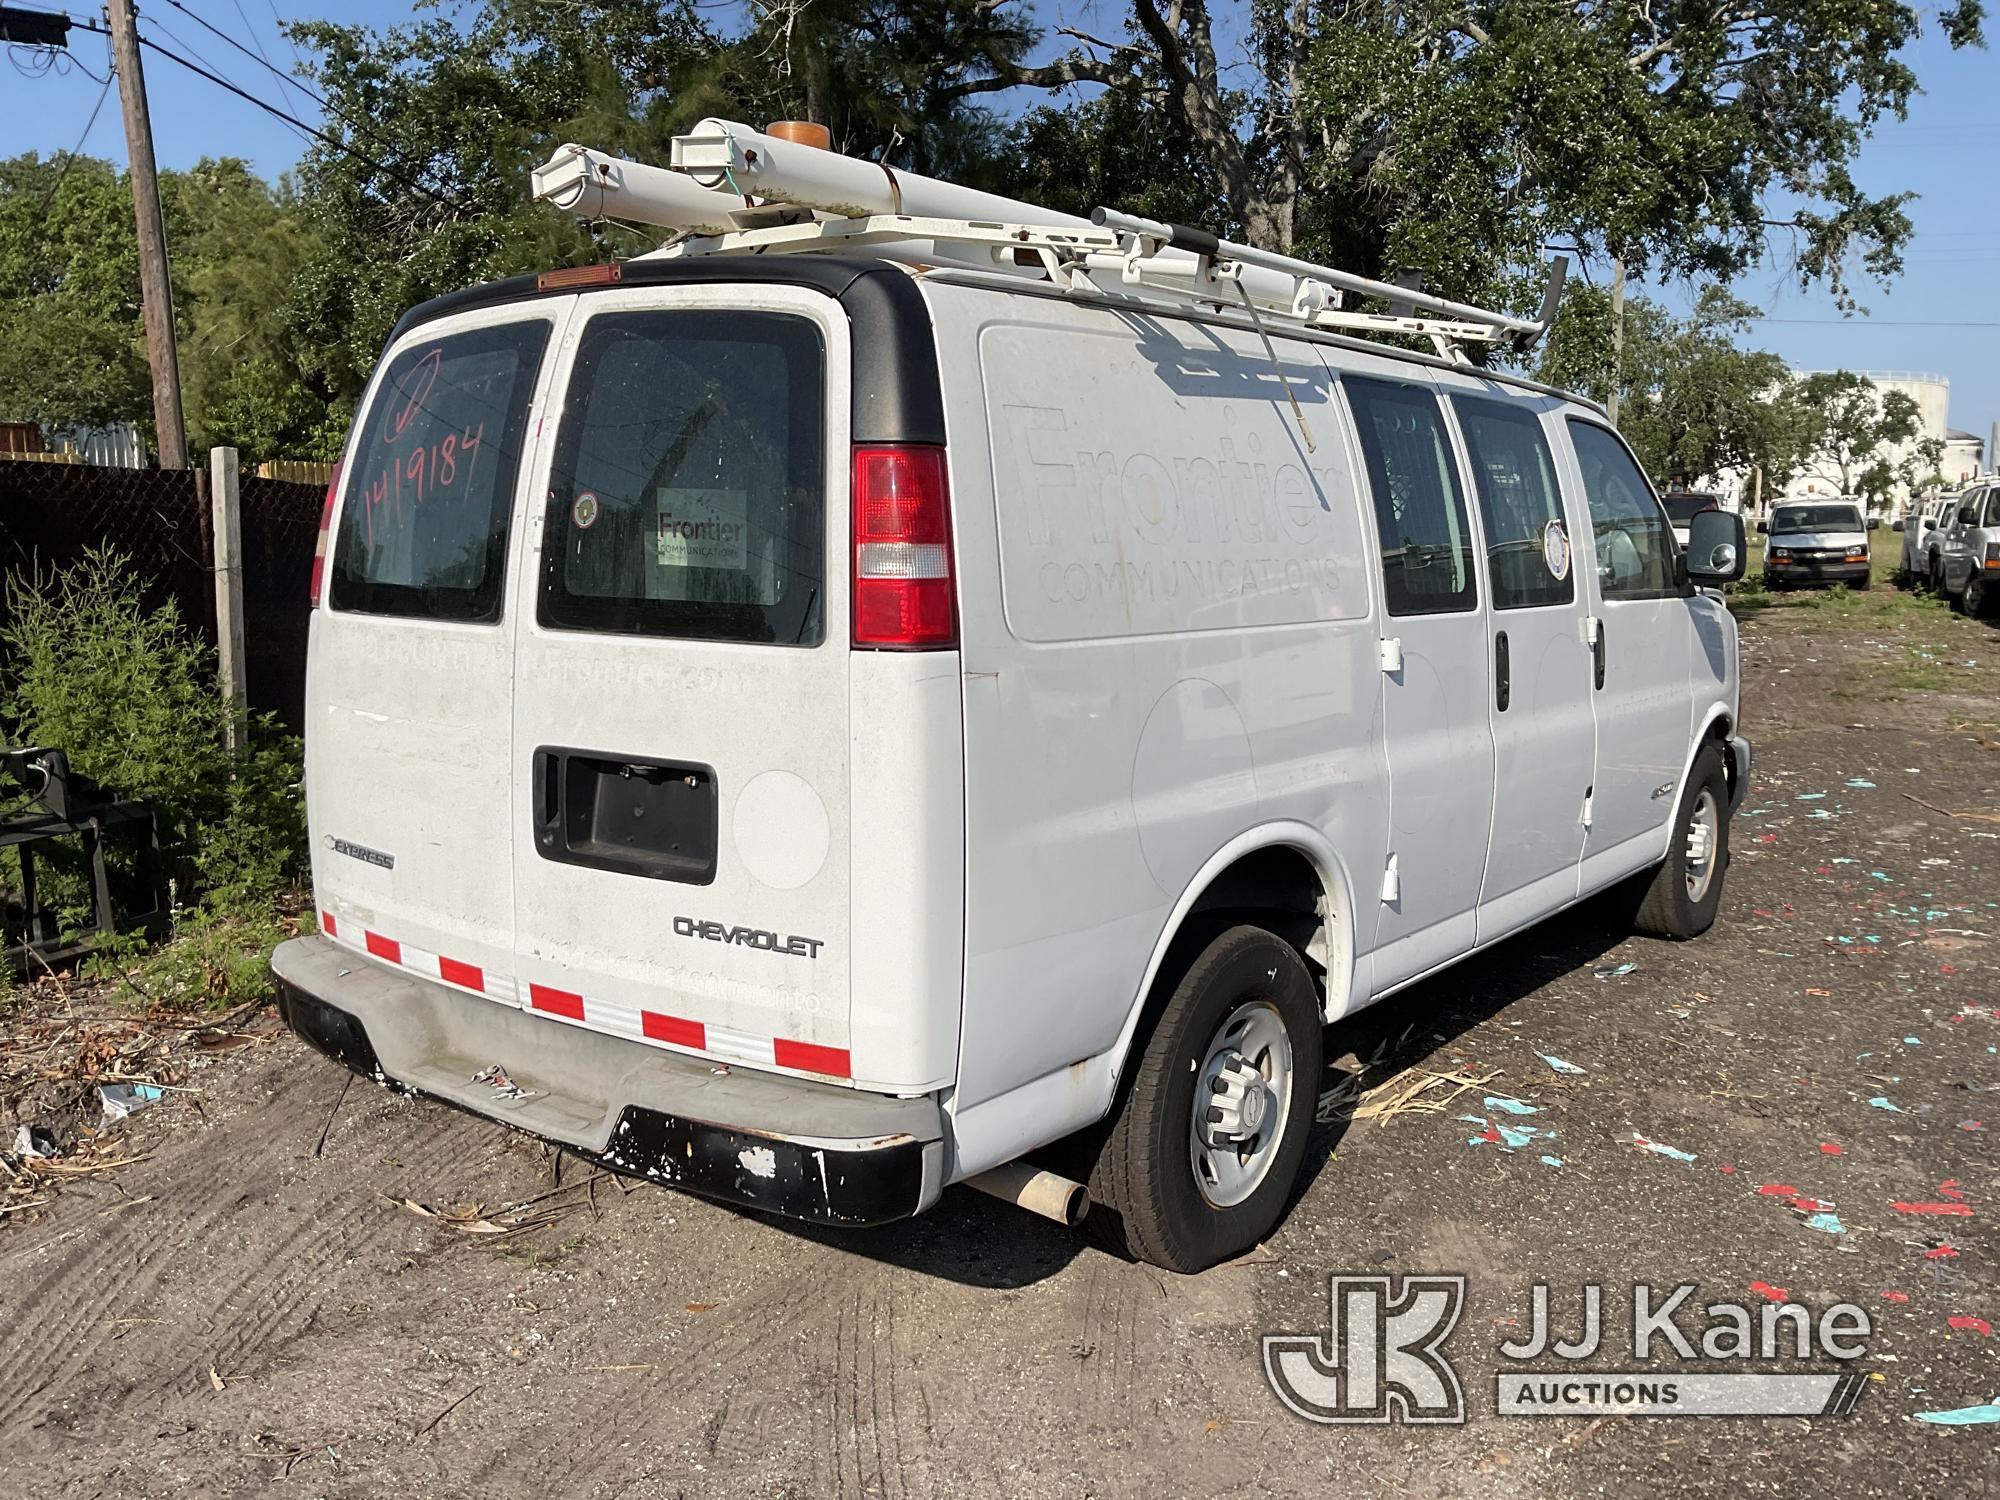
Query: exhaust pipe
{"x":1039,"y":1192}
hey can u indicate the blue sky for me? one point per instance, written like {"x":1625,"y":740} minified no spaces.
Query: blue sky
{"x":1943,"y":315}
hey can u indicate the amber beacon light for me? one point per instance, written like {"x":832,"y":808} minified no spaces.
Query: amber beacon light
{"x":804,"y":132}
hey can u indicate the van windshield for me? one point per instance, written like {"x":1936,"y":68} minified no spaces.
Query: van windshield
{"x":688,"y":496}
{"x":1682,"y":509}
{"x":1793,"y":518}
{"x":430,"y":486}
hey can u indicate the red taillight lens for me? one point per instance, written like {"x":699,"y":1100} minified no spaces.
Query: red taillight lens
{"x":325,"y":534}
{"x":902,"y":550}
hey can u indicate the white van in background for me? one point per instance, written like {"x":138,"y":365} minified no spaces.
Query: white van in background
{"x":814,"y":728}
{"x":1817,"y":542}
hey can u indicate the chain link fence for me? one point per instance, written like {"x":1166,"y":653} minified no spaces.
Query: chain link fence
{"x":51,"y":514}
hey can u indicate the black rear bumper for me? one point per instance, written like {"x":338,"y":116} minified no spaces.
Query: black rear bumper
{"x":786,"y":1146}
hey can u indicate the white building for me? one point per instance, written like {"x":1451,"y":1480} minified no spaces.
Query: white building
{"x":1964,"y":458}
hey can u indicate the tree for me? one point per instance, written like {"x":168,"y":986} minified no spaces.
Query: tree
{"x":1680,"y":135}
{"x":441,"y":122}
{"x":70,"y":354}
{"x":1692,"y":402}
{"x":1856,"y":435}
{"x":71,"y":342}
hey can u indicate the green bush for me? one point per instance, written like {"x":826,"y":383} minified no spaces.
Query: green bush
{"x":129,"y":694}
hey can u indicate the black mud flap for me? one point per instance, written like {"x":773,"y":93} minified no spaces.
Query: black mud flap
{"x":821,"y":1184}
{"x":329,"y":1029}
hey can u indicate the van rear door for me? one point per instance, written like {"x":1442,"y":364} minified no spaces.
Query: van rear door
{"x":680,"y":715}
{"x":410,"y":670}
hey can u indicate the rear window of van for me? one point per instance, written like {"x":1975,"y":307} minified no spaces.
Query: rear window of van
{"x":431,"y":475}
{"x":688,"y":494}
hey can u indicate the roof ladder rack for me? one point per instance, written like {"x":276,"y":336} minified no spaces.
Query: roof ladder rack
{"x":734,"y":190}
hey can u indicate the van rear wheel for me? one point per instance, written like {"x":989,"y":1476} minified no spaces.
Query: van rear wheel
{"x":1686,"y":889}
{"x":1205,"y":1149}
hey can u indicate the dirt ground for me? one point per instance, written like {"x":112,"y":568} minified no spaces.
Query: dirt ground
{"x":253,"y":1307}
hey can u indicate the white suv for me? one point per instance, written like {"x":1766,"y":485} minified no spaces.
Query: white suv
{"x":1923,"y":551}
{"x":1969,"y":561}
{"x":814,"y":728}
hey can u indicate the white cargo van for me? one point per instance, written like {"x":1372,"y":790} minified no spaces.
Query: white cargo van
{"x":812,"y":728}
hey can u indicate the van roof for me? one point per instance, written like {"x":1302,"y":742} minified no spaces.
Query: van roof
{"x":897,"y":394}
{"x":874,"y":288}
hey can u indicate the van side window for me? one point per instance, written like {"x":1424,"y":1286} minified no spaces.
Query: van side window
{"x":1635,"y":555}
{"x":688,"y":496}
{"x":1419,"y":508}
{"x":1992,"y":508}
{"x":430,"y":486}
{"x":1515,"y":477}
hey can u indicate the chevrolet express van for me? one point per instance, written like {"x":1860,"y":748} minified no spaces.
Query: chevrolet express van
{"x":1816,"y":542}
{"x":812,"y":729}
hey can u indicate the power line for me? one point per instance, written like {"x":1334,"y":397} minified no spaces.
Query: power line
{"x":319,"y":135}
{"x":279,"y":73}
{"x":159,"y":25}
{"x":70,"y":160}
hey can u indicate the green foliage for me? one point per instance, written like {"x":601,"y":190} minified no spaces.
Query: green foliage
{"x":1691,"y":139}
{"x":129,"y":694}
{"x":1692,"y":401}
{"x":72,"y":350}
{"x":211,"y":961}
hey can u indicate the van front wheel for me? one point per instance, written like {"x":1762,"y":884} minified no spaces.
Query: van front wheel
{"x":1205,"y":1149}
{"x":1686,"y":890}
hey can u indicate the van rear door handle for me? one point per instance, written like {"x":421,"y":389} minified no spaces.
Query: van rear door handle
{"x":1502,"y":683}
{"x":1597,"y":653}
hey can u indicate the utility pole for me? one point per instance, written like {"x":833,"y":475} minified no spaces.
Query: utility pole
{"x":1617,"y":336}
{"x":155,"y":289}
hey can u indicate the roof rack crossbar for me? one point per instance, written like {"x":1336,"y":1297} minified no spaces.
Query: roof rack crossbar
{"x":734,"y":190}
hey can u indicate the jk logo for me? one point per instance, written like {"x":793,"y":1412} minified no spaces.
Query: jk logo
{"x":1380,"y":1361}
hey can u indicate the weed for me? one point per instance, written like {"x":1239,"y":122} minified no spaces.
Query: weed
{"x":129,"y":693}
{"x":213,"y":960}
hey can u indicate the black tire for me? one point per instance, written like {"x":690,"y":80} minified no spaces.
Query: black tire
{"x":1669,"y":909}
{"x":1977,"y":600}
{"x":1145,"y":1199}
{"x":1937,"y":577}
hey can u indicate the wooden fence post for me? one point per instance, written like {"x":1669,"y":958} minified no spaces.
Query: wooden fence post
{"x":228,"y":531}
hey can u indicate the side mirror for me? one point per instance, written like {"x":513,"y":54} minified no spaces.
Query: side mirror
{"x":1763,"y":528}
{"x":1965,"y":515}
{"x":1874,"y":523}
{"x":1897,"y":524}
{"x":1930,"y":523}
{"x":1716,"y":550}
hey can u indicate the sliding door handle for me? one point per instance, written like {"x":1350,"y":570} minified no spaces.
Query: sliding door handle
{"x":1503,"y":690}
{"x":1597,"y":654}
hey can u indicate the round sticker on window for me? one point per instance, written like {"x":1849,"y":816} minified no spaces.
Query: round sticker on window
{"x":1555,"y":550}
{"x":583,"y":511}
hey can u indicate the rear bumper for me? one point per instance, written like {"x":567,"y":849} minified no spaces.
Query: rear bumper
{"x":1814,"y":572}
{"x":811,"y":1151}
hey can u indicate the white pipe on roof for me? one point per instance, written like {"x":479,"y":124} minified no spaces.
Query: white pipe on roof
{"x":592,"y":185}
{"x":725,"y":156}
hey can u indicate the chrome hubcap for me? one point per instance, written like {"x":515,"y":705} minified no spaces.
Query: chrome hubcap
{"x":1704,"y":836}
{"x":1242,"y":1099}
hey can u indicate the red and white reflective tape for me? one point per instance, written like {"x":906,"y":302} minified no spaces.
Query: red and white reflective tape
{"x":635,"y":1023}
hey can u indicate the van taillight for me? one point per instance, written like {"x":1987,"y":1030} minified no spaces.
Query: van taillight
{"x":902,"y":550}
{"x":325,"y":534}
